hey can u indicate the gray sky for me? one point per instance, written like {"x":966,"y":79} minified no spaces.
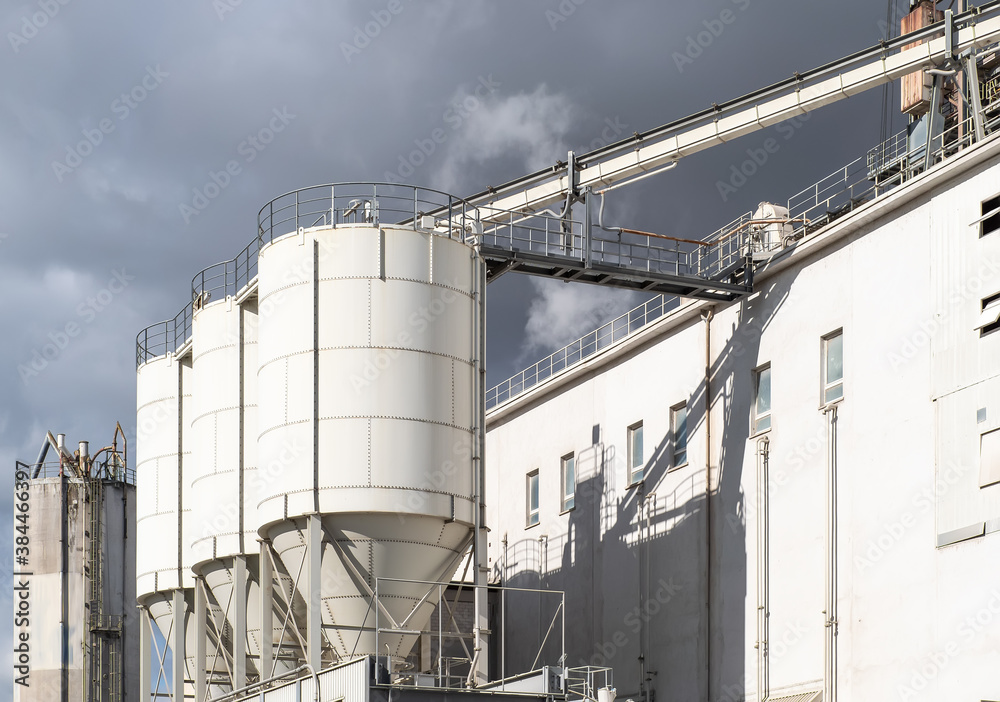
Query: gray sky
{"x":113,"y":114}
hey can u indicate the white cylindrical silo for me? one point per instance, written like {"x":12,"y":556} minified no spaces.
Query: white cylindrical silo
{"x":163,"y":455}
{"x":223,"y":505}
{"x":367,"y":350}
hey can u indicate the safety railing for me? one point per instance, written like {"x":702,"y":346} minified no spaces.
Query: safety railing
{"x":109,"y":470}
{"x":335,"y":204}
{"x":322,"y":205}
{"x":452,"y":636}
{"x":586,"y":682}
{"x":883,"y":168}
{"x":543,"y":233}
{"x":584,"y":347}
{"x":164,"y":337}
{"x":226,"y":278}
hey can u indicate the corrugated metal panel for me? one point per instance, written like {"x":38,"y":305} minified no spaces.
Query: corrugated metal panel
{"x":813,"y":696}
{"x":287,"y":693}
{"x":348,"y":683}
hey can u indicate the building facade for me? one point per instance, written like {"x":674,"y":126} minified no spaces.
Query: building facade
{"x":795,"y":494}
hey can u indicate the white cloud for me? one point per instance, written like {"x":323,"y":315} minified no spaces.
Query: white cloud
{"x":563,"y":312}
{"x":531,"y":126}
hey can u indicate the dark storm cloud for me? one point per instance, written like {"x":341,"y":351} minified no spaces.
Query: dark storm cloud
{"x":115,"y":116}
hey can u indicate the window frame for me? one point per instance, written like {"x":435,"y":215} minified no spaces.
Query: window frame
{"x":825,"y":385}
{"x":674,"y":412}
{"x":567,"y":502}
{"x":988,"y":301}
{"x":636,"y":473}
{"x":985,"y":207}
{"x":756,"y":420}
{"x":529,"y":513}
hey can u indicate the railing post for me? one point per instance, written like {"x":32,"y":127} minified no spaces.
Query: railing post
{"x":587,"y":226}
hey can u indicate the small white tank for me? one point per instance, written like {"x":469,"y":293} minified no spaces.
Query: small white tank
{"x":770,"y":230}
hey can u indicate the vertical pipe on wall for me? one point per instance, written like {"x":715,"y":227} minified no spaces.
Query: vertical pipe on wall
{"x":707,"y":316}
{"x":763,"y":573}
{"x":479,"y":673}
{"x":830,"y":611}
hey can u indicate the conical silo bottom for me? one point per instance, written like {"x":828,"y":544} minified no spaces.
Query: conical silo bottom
{"x":367,"y":546}
{"x":219,"y":576}
{"x":161,"y":610}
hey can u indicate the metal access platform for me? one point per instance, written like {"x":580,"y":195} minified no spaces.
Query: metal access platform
{"x":567,"y":245}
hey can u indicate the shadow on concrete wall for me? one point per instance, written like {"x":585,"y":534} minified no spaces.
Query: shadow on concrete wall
{"x":655,"y":575}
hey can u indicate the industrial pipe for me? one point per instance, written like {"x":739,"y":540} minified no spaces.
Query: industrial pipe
{"x":763,"y":572}
{"x":260,"y":683}
{"x":830,"y":611}
{"x":707,"y":316}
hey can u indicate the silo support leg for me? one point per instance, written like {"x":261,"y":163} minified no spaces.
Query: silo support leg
{"x":145,"y":654}
{"x":314,"y":546}
{"x":240,"y":622}
{"x":266,"y":614}
{"x":201,"y":624}
{"x":177,"y":672}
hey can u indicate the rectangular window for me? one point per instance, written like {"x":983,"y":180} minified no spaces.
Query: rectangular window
{"x":989,"y":221}
{"x":833,"y":367}
{"x":568,"y":482}
{"x":989,"y":317}
{"x":635,"y":463}
{"x":762,"y":399}
{"x":532,"y":499}
{"x":679,"y":431}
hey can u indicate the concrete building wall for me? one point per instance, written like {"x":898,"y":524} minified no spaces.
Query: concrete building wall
{"x":917,"y":610}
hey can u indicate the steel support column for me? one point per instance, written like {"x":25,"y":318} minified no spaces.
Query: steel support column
{"x":239,"y":621}
{"x":201,"y":645}
{"x":145,"y":654}
{"x":177,"y":646}
{"x":266,"y":664}
{"x":314,"y":621}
